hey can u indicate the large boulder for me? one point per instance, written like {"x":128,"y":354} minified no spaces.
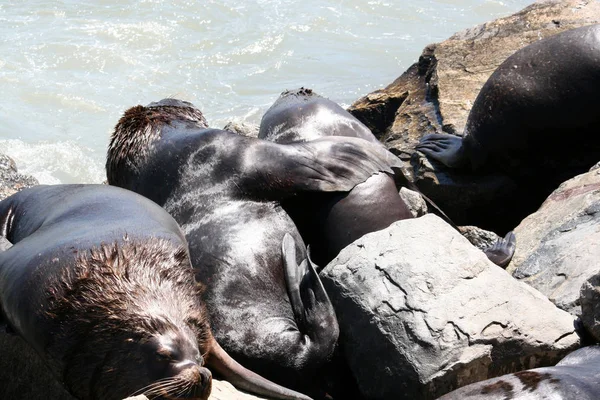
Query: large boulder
{"x":422,"y":312}
{"x":559,"y":245}
{"x":436,"y":94}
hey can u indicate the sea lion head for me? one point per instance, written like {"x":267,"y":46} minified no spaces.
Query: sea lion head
{"x":128,"y":320}
{"x":140,"y":126}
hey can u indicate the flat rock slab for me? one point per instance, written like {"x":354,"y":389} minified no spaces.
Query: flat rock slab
{"x":559,"y":245}
{"x":422,"y":312}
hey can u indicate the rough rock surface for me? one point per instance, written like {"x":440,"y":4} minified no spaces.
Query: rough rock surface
{"x":415,"y":202}
{"x":242,"y":128}
{"x":478,"y":237}
{"x":590,"y":306}
{"x":422,"y":312}
{"x":11,"y":181}
{"x":435,"y":95}
{"x":559,"y":245}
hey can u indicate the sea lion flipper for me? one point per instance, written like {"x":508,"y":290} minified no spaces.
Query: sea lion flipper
{"x":293,"y":276}
{"x":312,"y":308}
{"x":447,"y":149}
{"x":242,"y":378}
{"x":341,"y":163}
{"x":328,"y":164}
{"x":501,"y":252}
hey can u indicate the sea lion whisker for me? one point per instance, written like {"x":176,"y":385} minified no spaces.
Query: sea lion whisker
{"x":185,"y":389}
{"x":147,"y":387}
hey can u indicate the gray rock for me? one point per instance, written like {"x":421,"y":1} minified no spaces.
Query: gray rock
{"x":11,"y":181}
{"x":415,"y":202}
{"x":242,"y":128}
{"x":478,"y":237}
{"x":436,"y":94}
{"x":422,"y":312}
{"x":559,"y":245}
{"x":590,"y":306}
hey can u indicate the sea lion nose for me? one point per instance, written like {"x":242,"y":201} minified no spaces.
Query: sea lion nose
{"x":205,"y":377}
{"x":203,"y":383}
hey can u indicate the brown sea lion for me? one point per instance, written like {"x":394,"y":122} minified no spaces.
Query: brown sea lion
{"x":331,"y":221}
{"x":535,"y":119}
{"x":267,"y":306}
{"x":575,"y":377}
{"x":99,"y":282}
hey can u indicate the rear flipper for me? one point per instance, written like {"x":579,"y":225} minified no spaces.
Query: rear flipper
{"x":501,"y":252}
{"x":312,"y":308}
{"x":447,"y":149}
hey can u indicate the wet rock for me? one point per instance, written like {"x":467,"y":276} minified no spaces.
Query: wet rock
{"x":436,"y":94}
{"x":559,"y":245}
{"x":11,"y":181}
{"x":422,"y":312}
{"x":590,"y":306}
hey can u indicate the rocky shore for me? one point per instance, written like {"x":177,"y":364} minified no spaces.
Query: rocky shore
{"x":421,"y":310}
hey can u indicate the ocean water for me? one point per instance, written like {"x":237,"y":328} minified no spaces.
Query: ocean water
{"x":68,"y":69}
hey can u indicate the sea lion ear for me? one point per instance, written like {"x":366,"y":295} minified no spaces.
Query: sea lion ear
{"x":220,"y":362}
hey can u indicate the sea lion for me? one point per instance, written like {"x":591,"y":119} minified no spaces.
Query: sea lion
{"x":267,"y":306}
{"x":535,"y":119}
{"x":577,"y":376}
{"x":99,"y":282}
{"x":331,"y":221}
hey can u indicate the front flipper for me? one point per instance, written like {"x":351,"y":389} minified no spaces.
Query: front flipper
{"x":312,"y":308}
{"x":501,"y":252}
{"x":330,"y":164}
{"x":447,"y":149}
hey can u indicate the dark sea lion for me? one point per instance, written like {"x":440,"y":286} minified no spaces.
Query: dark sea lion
{"x":577,"y":376}
{"x":331,"y":221}
{"x":99,"y":282}
{"x":536,"y":117}
{"x":267,"y":306}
